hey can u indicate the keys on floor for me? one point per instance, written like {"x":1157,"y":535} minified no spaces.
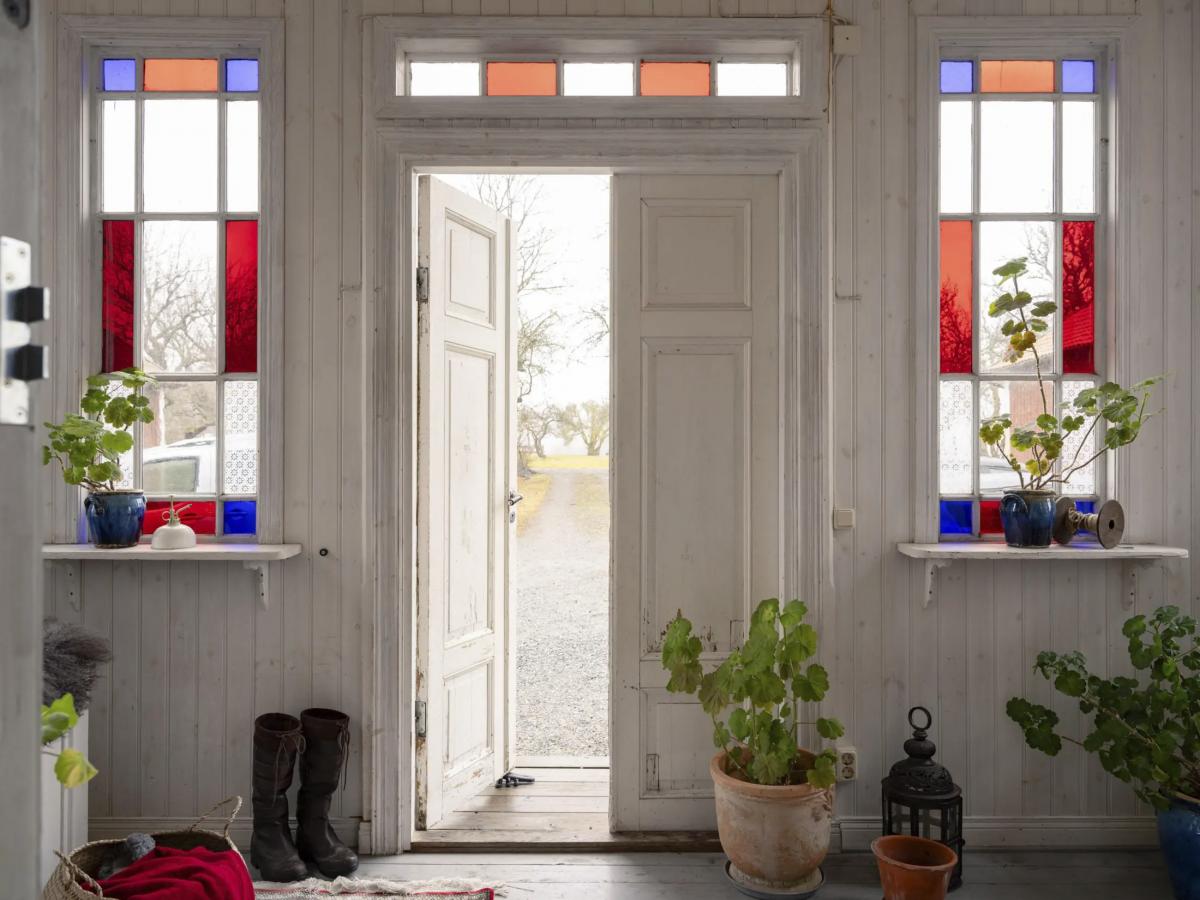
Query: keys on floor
{"x":512,"y":780}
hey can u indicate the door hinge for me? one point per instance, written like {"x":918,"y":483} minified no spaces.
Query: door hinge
{"x":652,"y":773}
{"x":422,"y":284}
{"x":419,"y":718}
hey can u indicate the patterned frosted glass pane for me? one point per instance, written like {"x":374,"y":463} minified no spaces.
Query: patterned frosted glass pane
{"x":200,"y":515}
{"x":180,"y":446}
{"x":240,"y":516}
{"x":241,"y":437}
{"x":241,"y":296}
{"x":1078,"y":76}
{"x":1023,"y":403}
{"x":1016,"y":156}
{"x":522,"y":79}
{"x":179,"y":75}
{"x":443,"y":79}
{"x":956,"y":517}
{"x":955,"y":157}
{"x":1079,"y":156}
{"x":598,"y":79}
{"x":956,"y":436}
{"x":120,"y":75}
{"x":1016,"y":76}
{"x":998,"y":243}
{"x":957,"y":76}
{"x":989,"y":517}
{"x":116,"y":178}
{"x":1076,"y":449}
{"x":752,"y":79}
{"x":180,"y":155}
{"x":179,"y":308}
{"x":954,"y":297}
{"x":117,"y":295}
{"x":241,"y":156}
{"x":675,"y":79}
{"x":1079,"y":298}
{"x":241,"y":75}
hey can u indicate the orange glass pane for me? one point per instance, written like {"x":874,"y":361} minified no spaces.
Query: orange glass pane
{"x":1016,"y":76}
{"x":675,"y":79}
{"x":180,"y":75}
{"x":522,"y":79}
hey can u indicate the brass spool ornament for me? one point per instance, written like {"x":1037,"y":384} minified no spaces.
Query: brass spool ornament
{"x":1107,"y":523}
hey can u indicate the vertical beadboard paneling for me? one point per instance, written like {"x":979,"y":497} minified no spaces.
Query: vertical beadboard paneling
{"x":183,"y":687}
{"x":154,"y":714}
{"x":98,"y":618}
{"x":212,"y":685}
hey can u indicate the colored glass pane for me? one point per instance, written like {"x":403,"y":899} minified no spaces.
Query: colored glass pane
{"x":179,"y":75}
{"x":240,"y":516}
{"x":443,"y":79}
{"x":1016,"y":76}
{"x":239,"y":472}
{"x":1079,"y":156}
{"x":598,"y":79}
{"x":998,"y":243}
{"x":957,"y":76}
{"x":675,"y":79}
{"x":1016,"y":156}
{"x":1079,"y":297}
{"x":1078,"y":76}
{"x":200,"y":515}
{"x":955,"y":159}
{"x":179,"y":446}
{"x":954,"y":297}
{"x":752,"y":79}
{"x":989,"y":517}
{"x":179,"y":296}
{"x":956,"y":517}
{"x":117,"y":295}
{"x":1079,"y":446}
{"x":522,"y":79}
{"x":241,"y":296}
{"x":1085,"y":506}
{"x":241,"y":156}
{"x":241,"y":75}
{"x":119,"y":74}
{"x":956,"y":436}
{"x":118,"y":155}
{"x":179,"y":155}
{"x":1022,"y":402}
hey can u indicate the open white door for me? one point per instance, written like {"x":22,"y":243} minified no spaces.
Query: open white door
{"x":465,"y":469}
{"x":696,"y":483}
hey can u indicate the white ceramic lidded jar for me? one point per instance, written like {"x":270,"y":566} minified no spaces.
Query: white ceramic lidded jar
{"x":174,"y":535}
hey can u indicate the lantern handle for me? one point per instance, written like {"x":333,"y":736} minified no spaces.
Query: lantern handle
{"x":928,"y":718}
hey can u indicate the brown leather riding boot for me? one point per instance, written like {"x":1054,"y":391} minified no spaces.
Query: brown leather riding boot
{"x":277,"y":740}
{"x":326,"y":748}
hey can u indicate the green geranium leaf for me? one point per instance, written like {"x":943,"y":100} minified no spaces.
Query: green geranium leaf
{"x":73,"y":769}
{"x":830,"y":729}
{"x":1044,"y":308}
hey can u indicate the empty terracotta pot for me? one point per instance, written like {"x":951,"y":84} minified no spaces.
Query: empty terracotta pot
{"x":913,"y":868}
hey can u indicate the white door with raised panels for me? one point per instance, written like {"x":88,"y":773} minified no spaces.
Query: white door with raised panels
{"x":696,"y":468}
{"x":466,"y":468}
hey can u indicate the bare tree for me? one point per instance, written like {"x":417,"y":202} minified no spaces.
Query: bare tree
{"x":535,"y":424}
{"x":179,"y":312}
{"x":538,"y":343}
{"x":587,"y":421}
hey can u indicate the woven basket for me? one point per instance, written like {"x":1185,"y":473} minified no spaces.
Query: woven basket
{"x":84,"y":862}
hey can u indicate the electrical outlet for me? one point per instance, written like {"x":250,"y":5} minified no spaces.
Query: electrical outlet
{"x":847,"y":40}
{"x":843,"y":518}
{"x":847,"y":762}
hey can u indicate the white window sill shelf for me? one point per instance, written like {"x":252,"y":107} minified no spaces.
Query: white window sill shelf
{"x":253,"y":556}
{"x":940,"y":555}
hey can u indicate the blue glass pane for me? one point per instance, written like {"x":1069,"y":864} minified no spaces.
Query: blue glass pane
{"x":240,"y":516}
{"x":120,"y":75}
{"x":241,"y":74}
{"x":956,"y":517}
{"x":1086,"y":506}
{"x":1078,"y":76}
{"x":958,"y":76}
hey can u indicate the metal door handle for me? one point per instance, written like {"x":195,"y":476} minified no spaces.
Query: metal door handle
{"x":513,"y":499}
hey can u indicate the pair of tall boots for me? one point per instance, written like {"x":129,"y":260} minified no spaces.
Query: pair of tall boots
{"x":321,"y":739}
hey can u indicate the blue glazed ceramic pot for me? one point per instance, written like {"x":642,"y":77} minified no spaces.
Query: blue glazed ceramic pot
{"x":115,"y":517}
{"x":1028,"y":518}
{"x":1179,"y":837}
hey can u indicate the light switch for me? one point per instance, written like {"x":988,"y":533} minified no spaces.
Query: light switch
{"x":843,"y":518}
{"x":847,"y":40}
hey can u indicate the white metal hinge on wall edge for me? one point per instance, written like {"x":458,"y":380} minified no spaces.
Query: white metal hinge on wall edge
{"x":419,"y":718}
{"x":422,"y":284}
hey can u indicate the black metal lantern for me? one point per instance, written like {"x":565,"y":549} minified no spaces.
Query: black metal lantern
{"x":920,"y":798}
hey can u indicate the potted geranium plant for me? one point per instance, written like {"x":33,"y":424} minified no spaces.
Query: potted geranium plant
{"x":774,"y":798}
{"x":88,"y":445}
{"x":1145,"y":730}
{"x":1035,"y":452}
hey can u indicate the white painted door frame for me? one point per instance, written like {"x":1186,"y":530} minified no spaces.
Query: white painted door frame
{"x":393,"y":156}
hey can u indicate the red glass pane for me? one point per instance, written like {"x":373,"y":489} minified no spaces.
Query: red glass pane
{"x":1079,"y":297}
{"x":989,"y":517}
{"x":179,"y":75}
{"x":954,"y":297}
{"x":1016,"y":76}
{"x":117,"y":295}
{"x":200,"y":515}
{"x":241,"y":296}
{"x":675,"y":79}
{"x":522,"y":79}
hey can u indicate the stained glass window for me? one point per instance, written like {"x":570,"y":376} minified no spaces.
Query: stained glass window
{"x":179,"y":276}
{"x":675,"y":79}
{"x":522,"y":79}
{"x":608,"y":79}
{"x":1018,"y":149}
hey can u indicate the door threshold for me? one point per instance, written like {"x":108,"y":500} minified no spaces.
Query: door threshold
{"x":463,"y":841}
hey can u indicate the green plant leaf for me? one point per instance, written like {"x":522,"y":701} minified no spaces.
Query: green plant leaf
{"x":1010,"y":268}
{"x":823,"y":774}
{"x":73,"y":769}
{"x":1044,"y":308}
{"x":58,"y":718}
{"x":830,"y":729}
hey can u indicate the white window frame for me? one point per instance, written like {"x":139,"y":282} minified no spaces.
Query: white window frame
{"x":83,"y":40}
{"x":395,"y":40}
{"x":1105,"y":39}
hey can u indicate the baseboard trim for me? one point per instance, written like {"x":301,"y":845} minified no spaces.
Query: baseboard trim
{"x":980,"y":832}
{"x":102,"y":829}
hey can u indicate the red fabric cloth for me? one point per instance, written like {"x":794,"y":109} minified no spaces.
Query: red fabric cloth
{"x":169,"y":874}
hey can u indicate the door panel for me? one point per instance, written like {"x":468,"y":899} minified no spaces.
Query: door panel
{"x":696,"y":483}
{"x":465,"y":469}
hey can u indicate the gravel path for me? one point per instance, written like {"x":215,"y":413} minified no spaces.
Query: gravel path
{"x":562,"y":621}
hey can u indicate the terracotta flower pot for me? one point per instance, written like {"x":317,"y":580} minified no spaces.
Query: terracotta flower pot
{"x":776,"y":836}
{"x":913,"y":868}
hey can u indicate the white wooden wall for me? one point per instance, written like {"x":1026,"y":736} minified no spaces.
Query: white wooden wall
{"x":196,"y":661}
